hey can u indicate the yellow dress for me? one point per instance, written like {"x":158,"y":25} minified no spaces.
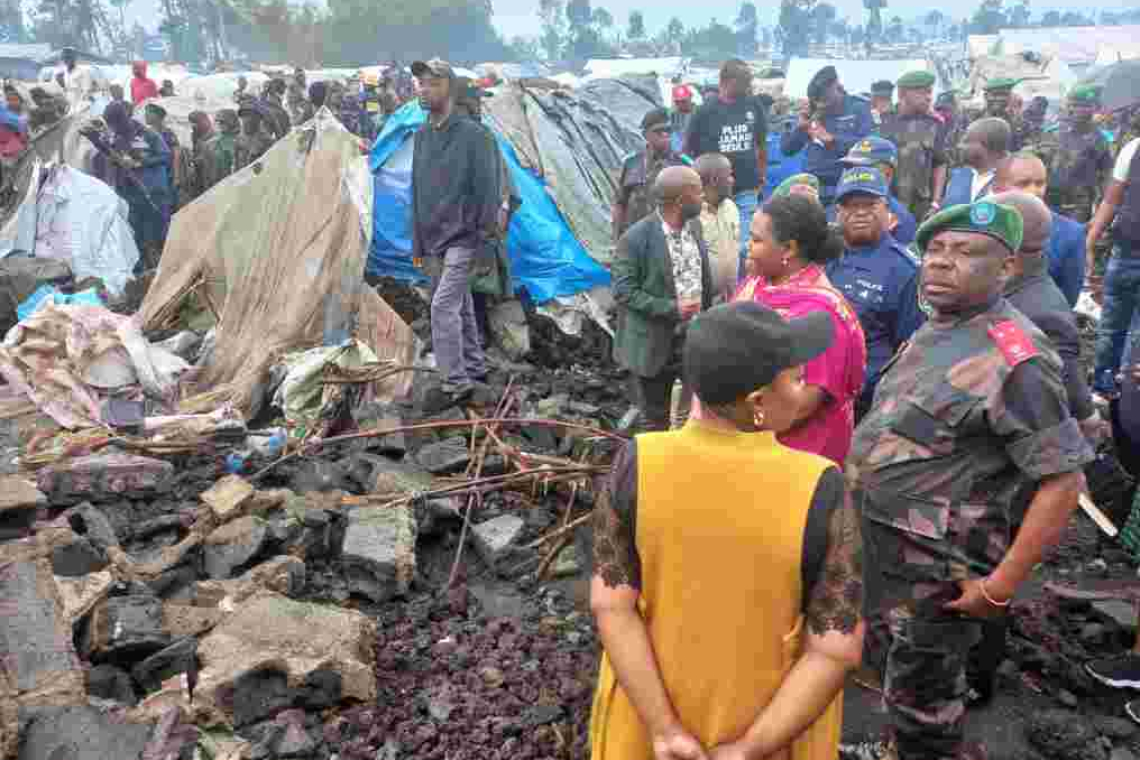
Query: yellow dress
{"x":720,"y":525}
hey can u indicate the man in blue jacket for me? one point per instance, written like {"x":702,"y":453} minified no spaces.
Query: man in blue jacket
{"x":138,"y":167}
{"x":1026,"y":172}
{"x":882,"y":154}
{"x":829,"y":126}
{"x":877,"y":275}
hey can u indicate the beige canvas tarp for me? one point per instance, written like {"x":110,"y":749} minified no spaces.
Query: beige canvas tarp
{"x":278,"y":251}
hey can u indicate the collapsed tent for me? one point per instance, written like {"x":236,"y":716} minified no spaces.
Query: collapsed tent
{"x":74,"y":218}
{"x":276,"y":254}
{"x":544,"y":243}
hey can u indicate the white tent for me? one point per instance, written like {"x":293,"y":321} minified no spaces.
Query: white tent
{"x":1074,"y":45}
{"x":855,"y":76}
{"x":978,"y":45}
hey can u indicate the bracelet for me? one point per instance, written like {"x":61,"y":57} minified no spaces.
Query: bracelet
{"x":990,"y":599}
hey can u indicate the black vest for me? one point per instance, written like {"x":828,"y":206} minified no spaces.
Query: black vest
{"x":1127,"y":227}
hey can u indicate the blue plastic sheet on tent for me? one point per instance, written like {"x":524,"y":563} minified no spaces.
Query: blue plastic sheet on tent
{"x":546,"y":259}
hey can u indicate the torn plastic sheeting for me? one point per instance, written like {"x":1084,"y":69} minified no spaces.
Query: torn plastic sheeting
{"x":18,"y":226}
{"x":301,"y":394}
{"x":82,"y":221}
{"x":280,"y":251}
{"x":547,"y":260}
{"x":50,"y":294}
{"x":69,"y":359}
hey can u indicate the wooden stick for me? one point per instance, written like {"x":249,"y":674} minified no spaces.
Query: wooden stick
{"x":559,"y":532}
{"x":477,"y":496}
{"x":548,"y":560}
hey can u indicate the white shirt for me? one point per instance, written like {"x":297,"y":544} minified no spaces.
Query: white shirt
{"x":78,"y":85}
{"x":979,"y":183}
{"x":1124,"y":161}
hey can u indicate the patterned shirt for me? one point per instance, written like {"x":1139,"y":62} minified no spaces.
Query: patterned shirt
{"x":686,"y":256}
{"x":720,"y":228}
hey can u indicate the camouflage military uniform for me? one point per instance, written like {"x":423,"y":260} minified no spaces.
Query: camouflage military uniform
{"x":219,"y":154}
{"x":636,"y":184}
{"x":251,"y":147}
{"x":1079,"y":161}
{"x":970,"y":412}
{"x":921,"y":142}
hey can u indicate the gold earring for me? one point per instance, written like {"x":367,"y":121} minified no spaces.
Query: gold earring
{"x":786,"y":260}
{"x":758,"y":418}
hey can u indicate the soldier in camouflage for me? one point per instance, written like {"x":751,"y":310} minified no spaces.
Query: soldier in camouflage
{"x":1077,"y":157}
{"x":1000,"y":105}
{"x":882,"y":101}
{"x":921,"y":141}
{"x":219,"y":154}
{"x":634,"y":201}
{"x":970,"y":412}
{"x":946,"y":109}
{"x":255,"y":139}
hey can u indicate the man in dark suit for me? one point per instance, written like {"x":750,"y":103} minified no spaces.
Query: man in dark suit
{"x":662,"y":279}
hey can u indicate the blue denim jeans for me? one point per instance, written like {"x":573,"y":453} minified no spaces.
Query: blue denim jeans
{"x":746,"y":201}
{"x":1121,"y":298}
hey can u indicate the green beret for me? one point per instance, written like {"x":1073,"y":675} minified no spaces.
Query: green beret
{"x":916,"y":80}
{"x":785,"y":187}
{"x":1001,"y":84}
{"x":1085,"y":94}
{"x":1002,"y":223}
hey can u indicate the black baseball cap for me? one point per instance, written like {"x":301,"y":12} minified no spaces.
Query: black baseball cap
{"x":733,"y":349}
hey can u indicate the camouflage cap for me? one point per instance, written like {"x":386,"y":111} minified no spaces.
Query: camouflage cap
{"x":785,"y":188}
{"x":870,"y":151}
{"x":946,"y":100}
{"x":1085,"y":94}
{"x":436,"y":67}
{"x":998,"y":221}
{"x":915,"y":80}
{"x":1001,"y":84}
{"x":883,"y":87}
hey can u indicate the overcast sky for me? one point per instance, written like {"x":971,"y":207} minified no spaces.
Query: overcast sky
{"x":520,"y":17}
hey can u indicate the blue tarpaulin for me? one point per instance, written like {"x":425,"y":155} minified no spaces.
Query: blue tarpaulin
{"x":546,"y":259}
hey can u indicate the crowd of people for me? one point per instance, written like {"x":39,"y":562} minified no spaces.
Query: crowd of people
{"x":145,"y":163}
{"x":873,"y":378}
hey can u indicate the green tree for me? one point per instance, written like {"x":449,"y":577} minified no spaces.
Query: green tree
{"x":1019,"y":15}
{"x":710,"y":41}
{"x":1052,"y":18}
{"x":822,"y":16}
{"x":895,"y":30}
{"x":796,"y":25}
{"x":675,"y":32}
{"x":874,"y":30}
{"x":76,"y":23}
{"x":553,"y":28}
{"x":747,"y":23}
{"x":1073,"y":18}
{"x":602,"y":19}
{"x":636,"y":30}
{"x":934,"y":21}
{"x":989,"y":18}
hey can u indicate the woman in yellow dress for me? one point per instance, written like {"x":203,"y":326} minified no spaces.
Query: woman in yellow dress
{"x":728,"y":576}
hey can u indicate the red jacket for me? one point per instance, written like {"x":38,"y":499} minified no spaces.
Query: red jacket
{"x":142,"y":88}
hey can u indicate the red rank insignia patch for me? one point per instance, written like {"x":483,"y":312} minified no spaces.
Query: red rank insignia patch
{"x":1014,"y":344}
